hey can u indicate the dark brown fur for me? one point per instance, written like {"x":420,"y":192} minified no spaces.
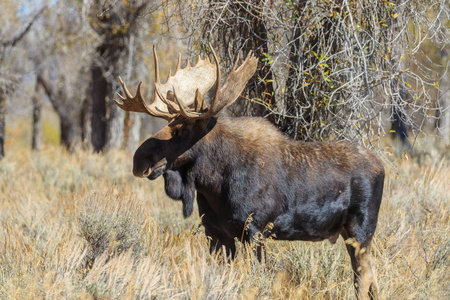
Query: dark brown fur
{"x":245,"y":167}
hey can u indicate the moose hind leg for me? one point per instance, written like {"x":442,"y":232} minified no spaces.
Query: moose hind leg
{"x":359,"y":230}
{"x":256,"y":242}
{"x":365,"y":278}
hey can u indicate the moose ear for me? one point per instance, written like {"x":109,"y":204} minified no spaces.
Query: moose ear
{"x":199,"y":102}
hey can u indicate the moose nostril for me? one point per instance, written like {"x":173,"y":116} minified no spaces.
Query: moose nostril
{"x":140,"y":171}
{"x":146,"y":173}
{"x":135,"y":173}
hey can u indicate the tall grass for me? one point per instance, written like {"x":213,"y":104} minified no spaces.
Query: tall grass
{"x":79,"y":226}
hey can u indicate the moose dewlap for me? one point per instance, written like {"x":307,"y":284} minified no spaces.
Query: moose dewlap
{"x":241,"y":167}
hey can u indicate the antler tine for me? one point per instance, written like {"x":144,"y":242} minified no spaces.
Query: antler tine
{"x":124,"y":88}
{"x":137,"y":103}
{"x":121,"y":105}
{"x":182,"y":110}
{"x":165,"y":101}
{"x":130,"y":103}
{"x":233,"y":86}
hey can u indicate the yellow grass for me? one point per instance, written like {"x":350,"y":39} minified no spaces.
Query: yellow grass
{"x":81,"y":226}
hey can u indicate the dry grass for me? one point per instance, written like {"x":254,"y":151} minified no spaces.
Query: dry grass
{"x":81,"y":227}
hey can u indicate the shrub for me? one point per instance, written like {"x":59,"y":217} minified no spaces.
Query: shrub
{"x":110,"y":222}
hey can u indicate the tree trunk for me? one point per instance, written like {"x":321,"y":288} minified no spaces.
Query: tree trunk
{"x":107,"y":120}
{"x":398,"y":126}
{"x":262,"y":84}
{"x":85,"y":123}
{"x":99,"y":90}
{"x":444,"y":96}
{"x":132,"y":121}
{"x":68,"y":133}
{"x":132,"y":131}
{"x":444,"y":108}
{"x":301,"y":57}
{"x":2,"y":122}
{"x":67,"y":120}
{"x":400,"y":96}
{"x":248,"y":33}
{"x":293,"y":94}
{"x":36,"y":136}
{"x":115,"y":125}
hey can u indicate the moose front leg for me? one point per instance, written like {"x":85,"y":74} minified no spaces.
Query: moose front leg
{"x":217,"y":239}
{"x":216,"y":245}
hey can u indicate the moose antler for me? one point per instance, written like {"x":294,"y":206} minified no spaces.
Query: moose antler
{"x":188,"y":86}
{"x":137,"y":103}
{"x":230,"y":91}
{"x":201,"y":76}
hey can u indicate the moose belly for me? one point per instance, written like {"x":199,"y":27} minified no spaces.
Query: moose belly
{"x":306,"y":228}
{"x":311,"y":222}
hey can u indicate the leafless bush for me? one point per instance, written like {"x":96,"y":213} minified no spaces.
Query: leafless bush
{"x":110,"y":223}
{"x":343,"y":69}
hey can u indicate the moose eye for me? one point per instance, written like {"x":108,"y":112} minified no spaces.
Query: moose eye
{"x":179,"y":132}
{"x":183,"y":131}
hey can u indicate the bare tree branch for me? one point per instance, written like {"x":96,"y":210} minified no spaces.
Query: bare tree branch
{"x":339,"y":69}
{"x":13,"y":41}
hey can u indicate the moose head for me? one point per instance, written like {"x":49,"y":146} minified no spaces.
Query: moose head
{"x":180,"y":101}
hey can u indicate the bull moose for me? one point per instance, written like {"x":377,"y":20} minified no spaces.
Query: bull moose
{"x":241,"y":167}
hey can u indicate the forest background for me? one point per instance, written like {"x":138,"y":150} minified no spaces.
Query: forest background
{"x":73,"y":220}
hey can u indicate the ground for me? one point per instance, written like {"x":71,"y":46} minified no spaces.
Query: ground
{"x":80,"y":226}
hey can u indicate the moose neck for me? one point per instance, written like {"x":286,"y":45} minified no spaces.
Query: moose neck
{"x":230,"y":143}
